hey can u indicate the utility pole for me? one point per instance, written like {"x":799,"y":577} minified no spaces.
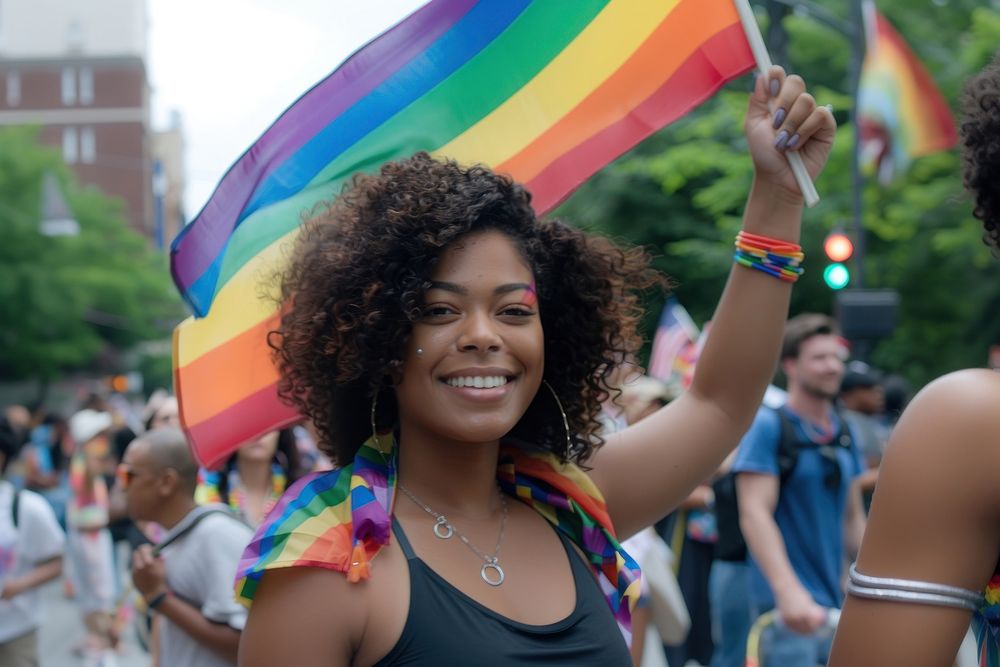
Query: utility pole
{"x":777,"y":38}
{"x":854,"y":31}
{"x":858,"y":43}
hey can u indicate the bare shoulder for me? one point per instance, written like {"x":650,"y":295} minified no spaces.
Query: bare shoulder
{"x":955,"y":420}
{"x":311,"y":613}
{"x":933,"y":519}
{"x":971,"y":386}
{"x":943,"y":454}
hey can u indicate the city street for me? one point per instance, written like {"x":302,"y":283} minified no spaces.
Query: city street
{"x":230,"y":230}
{"x":63,"y":629}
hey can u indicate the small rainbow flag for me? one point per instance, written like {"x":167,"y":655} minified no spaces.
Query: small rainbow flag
{"x":548,"y":91}
{"x":901,"y":113}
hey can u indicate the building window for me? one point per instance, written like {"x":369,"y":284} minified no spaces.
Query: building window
{"x":13,"y":88}
{"x":70,"y":147}
{"x":88,"y":145}
{"x":68,"y":86}
{"x":86,"y":85}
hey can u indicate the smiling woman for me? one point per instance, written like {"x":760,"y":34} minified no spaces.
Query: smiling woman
{"x":428,"y":254}
{"x":448,"y":344}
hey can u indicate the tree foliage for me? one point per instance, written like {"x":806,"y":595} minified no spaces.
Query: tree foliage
{"x":66,"y":303}
{"x":681,"y":193}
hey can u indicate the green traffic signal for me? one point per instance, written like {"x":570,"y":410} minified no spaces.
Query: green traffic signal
{"x":836,"y":276}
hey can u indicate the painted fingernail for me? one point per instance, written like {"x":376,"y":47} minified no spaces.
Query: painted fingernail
{"x":781,"y":141}
{"x":779,"y":117}
{"x":775,"y":86}
{"x":794,"y":141}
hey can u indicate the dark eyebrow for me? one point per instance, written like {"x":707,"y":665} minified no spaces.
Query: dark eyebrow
{"x":448,"y":287}
{"x":458,"y":289}
{"x":511,"y":287}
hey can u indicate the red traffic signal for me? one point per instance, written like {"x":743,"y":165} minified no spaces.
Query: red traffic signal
{"x":838,"y":247}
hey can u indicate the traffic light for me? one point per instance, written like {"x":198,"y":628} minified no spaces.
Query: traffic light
{"x":838,"y":248}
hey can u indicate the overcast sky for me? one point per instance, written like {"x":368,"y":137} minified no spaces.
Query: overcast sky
{"x":230,"y":67}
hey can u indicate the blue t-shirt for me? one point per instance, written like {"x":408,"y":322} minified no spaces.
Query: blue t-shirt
{"x":810,"y":511}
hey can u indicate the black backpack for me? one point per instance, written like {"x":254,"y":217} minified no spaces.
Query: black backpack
{"x":731,"y":545}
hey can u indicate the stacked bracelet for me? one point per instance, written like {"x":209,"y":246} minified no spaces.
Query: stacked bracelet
{"x":774,"y":257}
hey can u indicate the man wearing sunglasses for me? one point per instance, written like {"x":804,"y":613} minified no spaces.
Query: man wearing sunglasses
{"x":187,"y":578}
{"x":801,"y":525}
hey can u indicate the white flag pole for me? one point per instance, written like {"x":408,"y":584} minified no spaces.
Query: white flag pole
{"x":763,"y":59}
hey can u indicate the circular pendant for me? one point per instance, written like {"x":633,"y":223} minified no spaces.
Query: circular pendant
{"x":492,"y":573}
{"x":443,"y":529}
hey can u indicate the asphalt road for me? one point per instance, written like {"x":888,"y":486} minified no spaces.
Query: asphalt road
{"x":63,"y":629}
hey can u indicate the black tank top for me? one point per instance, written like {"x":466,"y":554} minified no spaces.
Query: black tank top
{"x":445,"y":627}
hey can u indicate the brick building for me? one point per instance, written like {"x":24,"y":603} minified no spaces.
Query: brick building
{"x":78,"y":70}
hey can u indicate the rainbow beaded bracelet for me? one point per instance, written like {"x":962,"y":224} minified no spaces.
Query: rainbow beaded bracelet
{"x":781,"y":259}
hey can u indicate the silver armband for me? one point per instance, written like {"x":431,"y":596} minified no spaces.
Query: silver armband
{"x":907,"y":590}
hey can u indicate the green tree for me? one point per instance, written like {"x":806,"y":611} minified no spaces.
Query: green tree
{"x":66,"y":301}
{"x":681,"y":194}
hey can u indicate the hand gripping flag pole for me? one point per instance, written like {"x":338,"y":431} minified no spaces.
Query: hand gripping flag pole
{"x":764,"y":64}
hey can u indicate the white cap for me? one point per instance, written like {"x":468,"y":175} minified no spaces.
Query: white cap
{"x":85,"y":425}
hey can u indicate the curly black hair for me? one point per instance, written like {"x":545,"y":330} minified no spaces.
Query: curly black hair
{"x":981,"y":148}
{"x":356,"y":283}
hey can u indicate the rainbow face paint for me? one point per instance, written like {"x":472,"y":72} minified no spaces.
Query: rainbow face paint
{"x":530,"y":297}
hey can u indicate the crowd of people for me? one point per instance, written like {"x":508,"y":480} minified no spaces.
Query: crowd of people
{"x":94,"y":484}
{"x":108,"y":499}
{"x":478,"y":451}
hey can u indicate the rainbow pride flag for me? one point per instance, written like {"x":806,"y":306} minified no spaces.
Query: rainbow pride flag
{"x":901,"y":113}
{"x":548,"y":91}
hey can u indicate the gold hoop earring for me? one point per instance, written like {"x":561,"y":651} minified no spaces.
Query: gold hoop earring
{"x":561,"y":412}
{"x":375,"y":439}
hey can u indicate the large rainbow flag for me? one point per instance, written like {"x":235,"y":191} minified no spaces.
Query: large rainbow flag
{"x":548,"y":91}
{"x":901,"y":113}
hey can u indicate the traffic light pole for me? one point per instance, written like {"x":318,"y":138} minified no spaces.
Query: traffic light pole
{"x":855,"y":32}
{"x":857,"y":181}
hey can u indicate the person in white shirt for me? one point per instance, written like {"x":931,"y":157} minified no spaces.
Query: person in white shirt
{"x":31,"y":554}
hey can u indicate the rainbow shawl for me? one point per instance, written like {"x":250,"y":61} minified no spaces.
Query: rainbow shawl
{"x":340,"y":519}
{"x":986,"y":626}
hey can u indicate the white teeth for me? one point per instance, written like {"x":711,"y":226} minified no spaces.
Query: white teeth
{"x":478,"y":381}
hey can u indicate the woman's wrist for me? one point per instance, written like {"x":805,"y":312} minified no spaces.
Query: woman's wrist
{"x":773,"y":212}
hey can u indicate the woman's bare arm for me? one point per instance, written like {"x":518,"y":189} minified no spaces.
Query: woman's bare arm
{"x":304,"y":616}
{"x":935,"y":518}
{"x":649,"y":468}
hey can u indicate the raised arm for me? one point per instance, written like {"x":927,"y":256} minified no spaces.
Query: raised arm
{"x":934,"y":519}
{"x":646,"y":470}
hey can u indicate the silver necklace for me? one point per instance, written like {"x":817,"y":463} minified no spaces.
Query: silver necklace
{"x":491,"y":572}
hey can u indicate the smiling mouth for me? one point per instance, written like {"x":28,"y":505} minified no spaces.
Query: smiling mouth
{"x":477,"y":381}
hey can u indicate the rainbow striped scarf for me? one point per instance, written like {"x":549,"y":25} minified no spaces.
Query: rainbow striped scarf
{"x":986,"y":625}
{"x":340,"y":519}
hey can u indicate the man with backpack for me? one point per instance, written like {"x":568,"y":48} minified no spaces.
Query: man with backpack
{"x":31,"y":554}
{"x":799,"y":505}
{"x":187,"y":578}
